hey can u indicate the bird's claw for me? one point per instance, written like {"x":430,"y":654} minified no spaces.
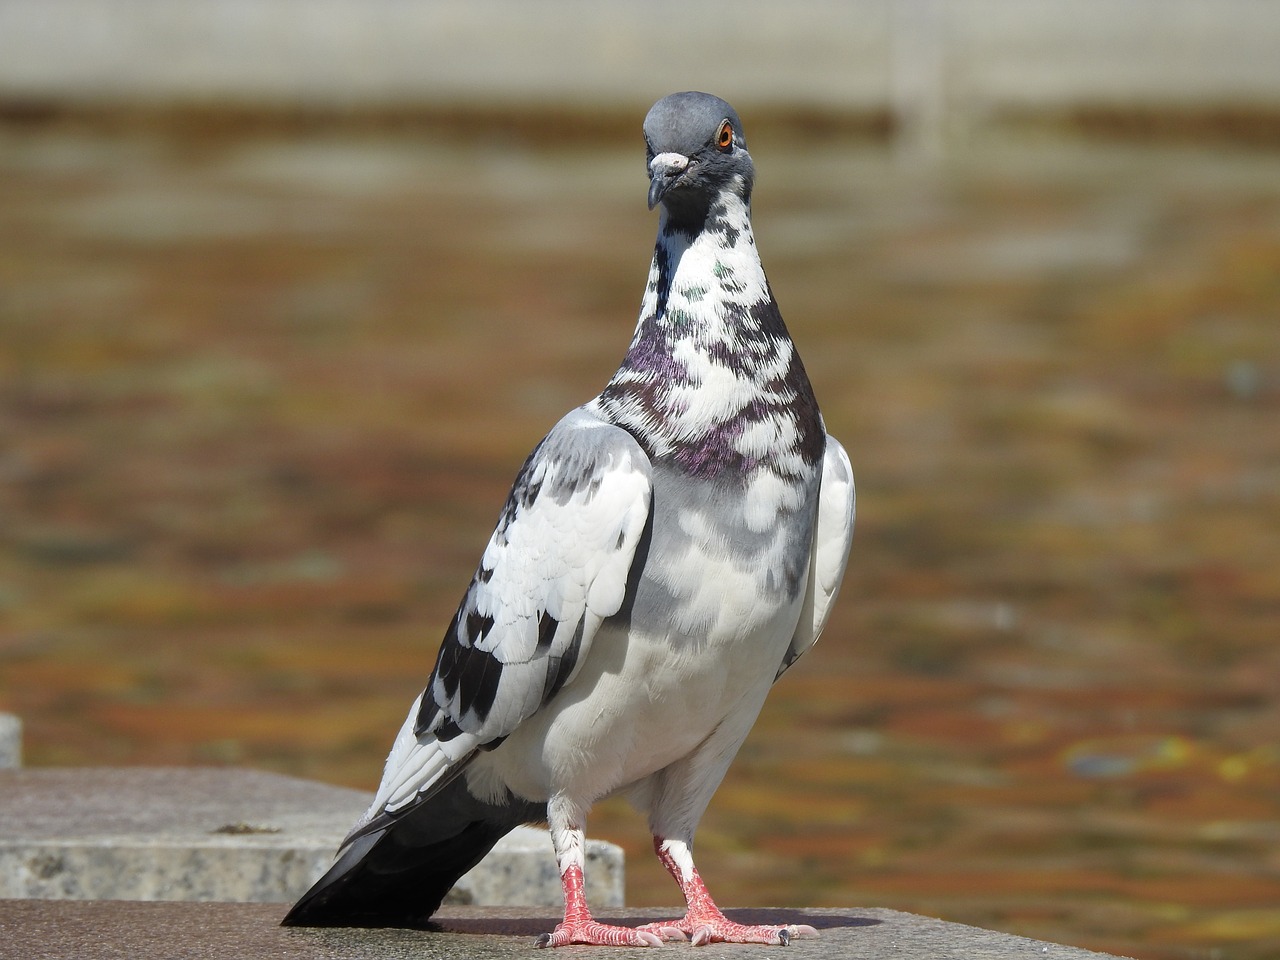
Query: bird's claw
{"x":665,"y":932}
{"x":796,"y":931}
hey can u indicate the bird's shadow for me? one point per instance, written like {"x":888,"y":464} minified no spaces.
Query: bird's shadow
{"x":534,"y":926}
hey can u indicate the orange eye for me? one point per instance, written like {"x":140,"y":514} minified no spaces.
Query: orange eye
{"x":724,"y":139}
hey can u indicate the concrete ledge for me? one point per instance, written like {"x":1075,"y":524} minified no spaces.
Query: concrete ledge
{"x":10,"y":741}
{"x":224,"y":834}
{"x":55,"y":930}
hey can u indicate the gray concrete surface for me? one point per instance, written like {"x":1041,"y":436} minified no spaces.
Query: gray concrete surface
{"x":10,"y":742}
{"x":45,"y":930}
{"x":224,"y":834}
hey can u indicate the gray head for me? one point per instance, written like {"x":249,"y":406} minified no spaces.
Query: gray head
{"x":696,"y":150}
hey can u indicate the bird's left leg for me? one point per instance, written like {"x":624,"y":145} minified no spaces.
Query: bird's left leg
{"x":677,"y":798}
{"x":565,"y":820}
{"x":703,"y":921}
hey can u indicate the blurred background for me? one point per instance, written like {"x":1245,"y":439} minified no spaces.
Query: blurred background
{"x":289,"y":289}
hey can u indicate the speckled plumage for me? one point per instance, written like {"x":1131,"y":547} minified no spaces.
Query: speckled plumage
{"x":666,"y":552}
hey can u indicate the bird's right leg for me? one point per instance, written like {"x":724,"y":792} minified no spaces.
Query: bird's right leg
{"x":565,"y":819}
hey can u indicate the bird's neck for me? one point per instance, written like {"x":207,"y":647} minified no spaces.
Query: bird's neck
{"x":704,"y":282}
{"x":711,"y":359}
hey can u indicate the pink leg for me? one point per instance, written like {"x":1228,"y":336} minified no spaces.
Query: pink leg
{"x":703,"y":922}
{"x":579,"y":927}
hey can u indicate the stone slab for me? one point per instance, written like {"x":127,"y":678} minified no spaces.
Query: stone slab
{"x":238,"y":835}
{"x":62,"y":930}
{"x":10,"y":741}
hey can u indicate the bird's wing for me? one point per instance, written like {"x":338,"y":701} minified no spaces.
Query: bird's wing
{"x":558,"y":564}
{"x":832,"y":535}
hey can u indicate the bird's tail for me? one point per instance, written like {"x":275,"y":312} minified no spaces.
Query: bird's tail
{"x":396,"y":871}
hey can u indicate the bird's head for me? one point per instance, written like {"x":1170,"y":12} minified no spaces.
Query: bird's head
{"x":696,"y":150}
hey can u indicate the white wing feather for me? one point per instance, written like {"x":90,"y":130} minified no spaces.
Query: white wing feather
{"x":832,"y":537}
{"x":555,"y":568}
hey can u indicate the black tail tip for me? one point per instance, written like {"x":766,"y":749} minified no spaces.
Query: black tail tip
{"x":300,"y":915}
{"x":370,"y":919}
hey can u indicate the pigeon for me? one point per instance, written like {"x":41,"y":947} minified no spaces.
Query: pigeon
{"x":665,"y":554}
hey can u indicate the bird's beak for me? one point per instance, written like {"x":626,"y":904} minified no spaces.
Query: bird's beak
{"x":664,"y":170}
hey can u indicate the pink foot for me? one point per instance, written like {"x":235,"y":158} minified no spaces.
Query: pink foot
{"x":598,"y":935}
{"x":580,"y":927}
{"x":703,"y":922}
{"x":716,"y":928}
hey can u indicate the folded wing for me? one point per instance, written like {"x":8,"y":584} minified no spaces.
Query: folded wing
{"x":558,"y":565}
{"x":832,"y":537}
